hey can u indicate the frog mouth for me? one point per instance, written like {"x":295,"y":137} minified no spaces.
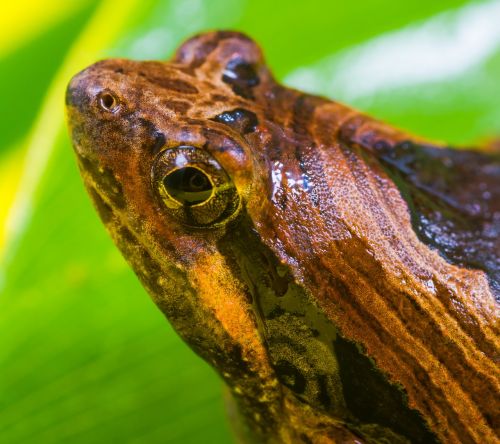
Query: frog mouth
{"x":107,"y":204}
{"x":105,"y":193}
{"x":102,"y":181}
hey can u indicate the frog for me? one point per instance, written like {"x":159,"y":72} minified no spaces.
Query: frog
{"x":342,"y":276}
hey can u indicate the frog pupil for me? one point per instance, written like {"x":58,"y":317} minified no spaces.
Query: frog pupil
{"x":188,"y":185}
{"x":198,"y":181}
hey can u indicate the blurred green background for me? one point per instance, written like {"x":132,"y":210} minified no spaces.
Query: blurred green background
{"x":84,"y":355}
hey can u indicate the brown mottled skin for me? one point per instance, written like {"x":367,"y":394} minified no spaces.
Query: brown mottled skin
{"x":339,"y":274}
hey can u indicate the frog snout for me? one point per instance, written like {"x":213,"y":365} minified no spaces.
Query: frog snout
{"x":76,"y":91}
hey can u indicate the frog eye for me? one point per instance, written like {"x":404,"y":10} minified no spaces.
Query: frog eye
{"x":108,"y":101}
{"x":193,"y":187}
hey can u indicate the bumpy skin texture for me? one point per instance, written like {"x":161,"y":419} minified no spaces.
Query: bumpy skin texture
{"x":342,"y":283}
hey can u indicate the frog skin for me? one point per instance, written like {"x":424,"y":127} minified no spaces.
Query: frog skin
{"x":339,"y":274}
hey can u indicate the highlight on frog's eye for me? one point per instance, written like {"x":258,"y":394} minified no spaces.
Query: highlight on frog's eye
{"x":284,"y":231}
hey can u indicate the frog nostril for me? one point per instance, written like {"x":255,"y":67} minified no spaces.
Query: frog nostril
{"x":108,"y":101}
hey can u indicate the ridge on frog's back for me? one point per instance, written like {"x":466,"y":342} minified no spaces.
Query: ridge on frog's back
{"x":339,"y":274}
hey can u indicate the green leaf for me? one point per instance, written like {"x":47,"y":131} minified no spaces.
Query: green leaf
{"x":84,"y":355}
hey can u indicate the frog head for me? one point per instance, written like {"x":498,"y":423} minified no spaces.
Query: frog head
{"x":167,"y":153}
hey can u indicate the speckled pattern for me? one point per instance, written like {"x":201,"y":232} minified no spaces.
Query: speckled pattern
{"x":338,"y":273}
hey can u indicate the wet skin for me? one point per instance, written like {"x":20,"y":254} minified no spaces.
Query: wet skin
{"x":339,"y":274}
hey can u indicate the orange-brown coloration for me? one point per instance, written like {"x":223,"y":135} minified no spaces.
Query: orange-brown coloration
{"x":327,"y":230}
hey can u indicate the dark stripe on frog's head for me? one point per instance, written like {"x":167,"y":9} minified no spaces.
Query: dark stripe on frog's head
{"x":179,"y":106}
{"x":303,"y":112}
{"x":175,"y":85}
{"x":155,"y":139}
{"x":239,"y":119}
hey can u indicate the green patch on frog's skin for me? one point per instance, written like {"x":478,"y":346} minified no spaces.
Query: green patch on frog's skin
{"x":309,"y":354}
{"x":298,"y":336}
